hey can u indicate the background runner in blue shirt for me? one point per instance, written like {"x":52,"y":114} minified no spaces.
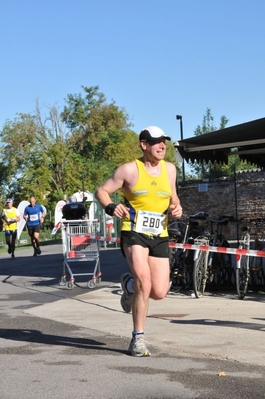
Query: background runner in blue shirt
{"x":34,"y":216}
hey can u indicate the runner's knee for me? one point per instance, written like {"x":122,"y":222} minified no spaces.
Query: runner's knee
{"x":159,"y":293}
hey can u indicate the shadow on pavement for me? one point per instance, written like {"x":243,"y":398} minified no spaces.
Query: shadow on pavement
{"x":35,"y":336}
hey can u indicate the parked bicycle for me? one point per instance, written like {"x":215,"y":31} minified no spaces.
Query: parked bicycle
{"x":257,"y":276}
{"x":181,"y":260}
{"x":249,"y":269}
{"x":220,"y":264}
{"x":212,"y":268}
{"x":242,"y":265}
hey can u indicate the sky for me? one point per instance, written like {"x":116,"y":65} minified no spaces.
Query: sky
{"x":156,"y":59}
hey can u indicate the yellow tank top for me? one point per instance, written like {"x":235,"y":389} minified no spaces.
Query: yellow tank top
{"x":148,"y":202}
{"x":10,"y":214}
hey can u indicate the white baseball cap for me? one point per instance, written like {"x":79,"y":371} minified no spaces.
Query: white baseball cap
{"x":153,"y":133}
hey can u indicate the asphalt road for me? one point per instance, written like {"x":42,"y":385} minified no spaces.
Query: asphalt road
{"x":61,"y":343}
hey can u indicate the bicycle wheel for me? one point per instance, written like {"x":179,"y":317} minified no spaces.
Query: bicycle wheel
{"x":221,"y":268}
{"x":187,"y":270}
{"x":215,"y":271}
{"x":199,"y":274}
{"x":242,"y":276}
{"x":176,"y":272}
{"x":226,"y":267}
{"x":172,"y":257}
{"x":256,"y":274}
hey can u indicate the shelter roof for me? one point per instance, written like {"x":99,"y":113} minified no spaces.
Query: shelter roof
{"x":247,"y":140}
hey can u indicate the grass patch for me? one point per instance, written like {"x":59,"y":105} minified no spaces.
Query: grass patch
{"x":45,"y":239}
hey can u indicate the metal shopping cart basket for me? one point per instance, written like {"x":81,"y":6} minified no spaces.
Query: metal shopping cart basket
{"x":80,"y":245}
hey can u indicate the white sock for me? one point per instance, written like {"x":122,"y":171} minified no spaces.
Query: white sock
{"x":130,"y":286}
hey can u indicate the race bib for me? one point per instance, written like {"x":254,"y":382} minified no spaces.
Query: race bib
{"x":33,"y":217}
{"x":150,"y":222}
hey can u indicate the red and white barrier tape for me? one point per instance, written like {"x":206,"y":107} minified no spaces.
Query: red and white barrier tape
{"x":223,"y":250}
{"x":107,"y":239}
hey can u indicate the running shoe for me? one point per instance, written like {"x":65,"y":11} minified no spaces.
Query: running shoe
{"x":9,"y":249}
{"x":138,"y":347}
{"x":38,"y":251}
{"x":35,"y":252}
{"x":126,"y":298}
{"x":13,"y":255}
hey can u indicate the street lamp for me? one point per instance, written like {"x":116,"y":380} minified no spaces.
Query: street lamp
{"x":181,"y":137}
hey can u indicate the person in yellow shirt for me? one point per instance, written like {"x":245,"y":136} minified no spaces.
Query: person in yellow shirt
{"x":149,"y":188}
{"x":10,"y":216}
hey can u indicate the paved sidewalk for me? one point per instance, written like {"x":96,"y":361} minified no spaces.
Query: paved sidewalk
{"x":72,"y":343}
{"x":216,"y":326}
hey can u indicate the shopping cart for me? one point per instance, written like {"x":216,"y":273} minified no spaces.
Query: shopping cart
{"x":80,"y":245}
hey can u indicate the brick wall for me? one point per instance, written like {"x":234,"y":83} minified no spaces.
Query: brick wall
{"x":218,"y":197}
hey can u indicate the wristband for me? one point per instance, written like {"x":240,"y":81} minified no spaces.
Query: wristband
{"x":110,"y":209}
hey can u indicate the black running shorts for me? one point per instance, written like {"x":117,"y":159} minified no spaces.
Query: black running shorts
{"x":33,"y":229}
{"x":158,"y":246}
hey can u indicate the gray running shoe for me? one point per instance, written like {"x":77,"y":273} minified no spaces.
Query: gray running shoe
{"x":138,"y":347}
{"x":38,"y":250}
{"x":126,"y":298}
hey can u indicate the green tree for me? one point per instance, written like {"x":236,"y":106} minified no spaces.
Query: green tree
{"x":205,"y":169}
{"x":37,"y":158}
{"x":21,"y":153}
{"x":101,"y":133}
{"x":48,"y":153}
